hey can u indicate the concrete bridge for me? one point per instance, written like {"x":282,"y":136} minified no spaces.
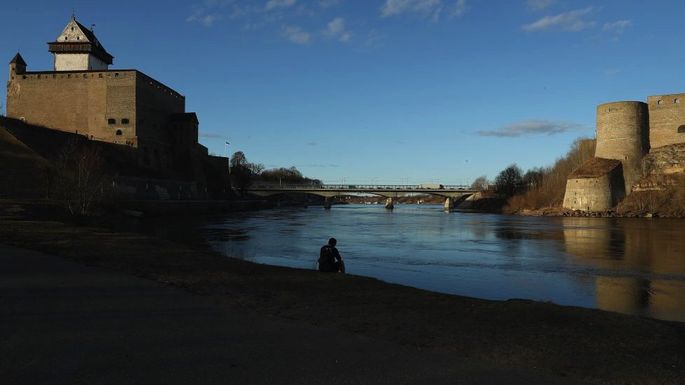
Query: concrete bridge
{"x":452,"y":193}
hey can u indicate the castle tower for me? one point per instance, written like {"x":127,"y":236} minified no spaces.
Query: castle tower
{"x":623,"y":134}
{"x":17,"y":66}
{"x":77,"y":49}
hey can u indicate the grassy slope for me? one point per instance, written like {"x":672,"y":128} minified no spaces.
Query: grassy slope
{"x":20,"y":167}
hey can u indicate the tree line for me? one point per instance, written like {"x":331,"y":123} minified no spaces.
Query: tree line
{"x":537,"y":187}
{"x":244,"y":174}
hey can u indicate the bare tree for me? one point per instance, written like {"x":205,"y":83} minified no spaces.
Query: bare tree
{"x":241,"y":175}
{"x":78,"y":179}
{"x":509,"y":181}
{"x":481,"y":183}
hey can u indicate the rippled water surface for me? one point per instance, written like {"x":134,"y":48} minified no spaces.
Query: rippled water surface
{"x":634,"y":266}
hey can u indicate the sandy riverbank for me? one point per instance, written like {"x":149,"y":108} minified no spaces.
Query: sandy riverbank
{"x":572,"y":343}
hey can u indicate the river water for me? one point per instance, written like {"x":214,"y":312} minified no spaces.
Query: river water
{"x":634,"y":266}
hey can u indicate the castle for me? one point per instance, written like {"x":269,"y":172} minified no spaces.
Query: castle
{"x":626,"y":132}
{"x":140,"y":125}
{"x":82,"y":95}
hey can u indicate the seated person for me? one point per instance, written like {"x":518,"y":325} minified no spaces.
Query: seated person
{"x":330,"y":260}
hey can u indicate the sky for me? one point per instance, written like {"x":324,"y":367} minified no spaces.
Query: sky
{"x":381,"y":91}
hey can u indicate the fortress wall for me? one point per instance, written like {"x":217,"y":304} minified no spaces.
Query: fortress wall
{"x":78,"y":102}
{"x":598,"y":193}
{"x":589,"y":194}
{"x":666,"y":119}
{"x":623,"y":134}
{"x":155,"y":102}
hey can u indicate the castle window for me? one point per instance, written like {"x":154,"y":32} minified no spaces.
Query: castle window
{"x":116,"y":74}
{"x":119,"y":132}
{"x":659,"y":102}
{"x":111,"y":121}
{"x":124,"y":121}
{"x":681,"y":130}
{"x":676,"y":101}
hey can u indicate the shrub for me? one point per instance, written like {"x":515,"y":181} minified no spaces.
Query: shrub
{"x":546,"y":186}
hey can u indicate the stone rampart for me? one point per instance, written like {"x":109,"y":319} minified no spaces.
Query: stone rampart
{"x":623,"y":134}
{"x":80,"y":102}
{"x":598,"y":185}
{"x":666,"y":120}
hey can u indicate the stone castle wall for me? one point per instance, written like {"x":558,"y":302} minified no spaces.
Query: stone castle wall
{"x":117,"y":106}
{"x":78,"y":102}
{"x":623,"y":134}
{"x":155,"y":102}
{"x":666,"y":120}
{"x":594,"y":194}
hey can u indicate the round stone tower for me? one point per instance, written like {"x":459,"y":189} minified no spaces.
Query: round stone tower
{"x":623,"y":134}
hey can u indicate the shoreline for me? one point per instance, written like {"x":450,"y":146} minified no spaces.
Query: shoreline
{"x":570,"y":342}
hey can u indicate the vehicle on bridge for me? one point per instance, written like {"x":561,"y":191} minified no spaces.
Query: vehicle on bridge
{"x":433,"y":186}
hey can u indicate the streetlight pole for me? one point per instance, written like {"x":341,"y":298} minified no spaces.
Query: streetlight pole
{"x":228,"y":158}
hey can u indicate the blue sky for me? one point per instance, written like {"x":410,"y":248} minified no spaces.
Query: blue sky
{"x":382,"y":91}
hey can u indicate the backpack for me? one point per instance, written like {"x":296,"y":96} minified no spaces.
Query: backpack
{"x":326,"y":258}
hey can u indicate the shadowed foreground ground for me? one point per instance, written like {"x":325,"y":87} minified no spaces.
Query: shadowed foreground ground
{"x":238,"y":322}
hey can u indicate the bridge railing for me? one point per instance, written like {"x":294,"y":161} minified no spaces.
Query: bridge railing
{"x":417,"y":188}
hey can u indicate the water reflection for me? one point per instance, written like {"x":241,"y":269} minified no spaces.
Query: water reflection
{"x":641,"y":263}
{"x":630,"y":266}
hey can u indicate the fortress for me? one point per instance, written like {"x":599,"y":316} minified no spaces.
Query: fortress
{"x":140,"y":119}
{"x":626,"y":133}
{"x":82,"y":95}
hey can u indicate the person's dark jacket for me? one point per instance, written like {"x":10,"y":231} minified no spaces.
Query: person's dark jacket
{"x":329,"y":259}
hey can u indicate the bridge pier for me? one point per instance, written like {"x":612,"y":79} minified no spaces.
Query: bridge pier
{"x":327,"y":203}
{"x":389,"y":204}
{"x":449,"y":204}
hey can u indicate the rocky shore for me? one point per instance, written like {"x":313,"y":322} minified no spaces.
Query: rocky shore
{"x":575,"y":345}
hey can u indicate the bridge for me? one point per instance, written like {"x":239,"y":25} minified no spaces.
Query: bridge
{"x":452,"y":193}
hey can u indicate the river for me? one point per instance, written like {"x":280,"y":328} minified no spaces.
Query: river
{"x":634,"y":266}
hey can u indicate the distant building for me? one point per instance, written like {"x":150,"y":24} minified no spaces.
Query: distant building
{"x":82,"y":95}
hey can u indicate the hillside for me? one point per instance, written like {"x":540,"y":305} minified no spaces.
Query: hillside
{"x":21,"y":170}
{"x":661,"y":191}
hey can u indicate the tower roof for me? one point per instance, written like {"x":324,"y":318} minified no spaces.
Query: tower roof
{"x":18,"y":60}
{"x":77,"y":38}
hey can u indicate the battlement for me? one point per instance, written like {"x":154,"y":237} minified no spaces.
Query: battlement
{"x":98,"y":74}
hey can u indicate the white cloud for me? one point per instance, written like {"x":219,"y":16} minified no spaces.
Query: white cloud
{"x":398,"y":7}
{"x":617,"y":27}
{"x":459,"y":8}
{"x":274,"y":4}
{"x":568,"y":21}
{"x":297,"y":35}
{"x":539,"y":5}
{"x":531,"y":127}
{"x":201,"y":17}
{"x":336,"y":30}
{"x":329,"y":3}
{"x":426,"y":8}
